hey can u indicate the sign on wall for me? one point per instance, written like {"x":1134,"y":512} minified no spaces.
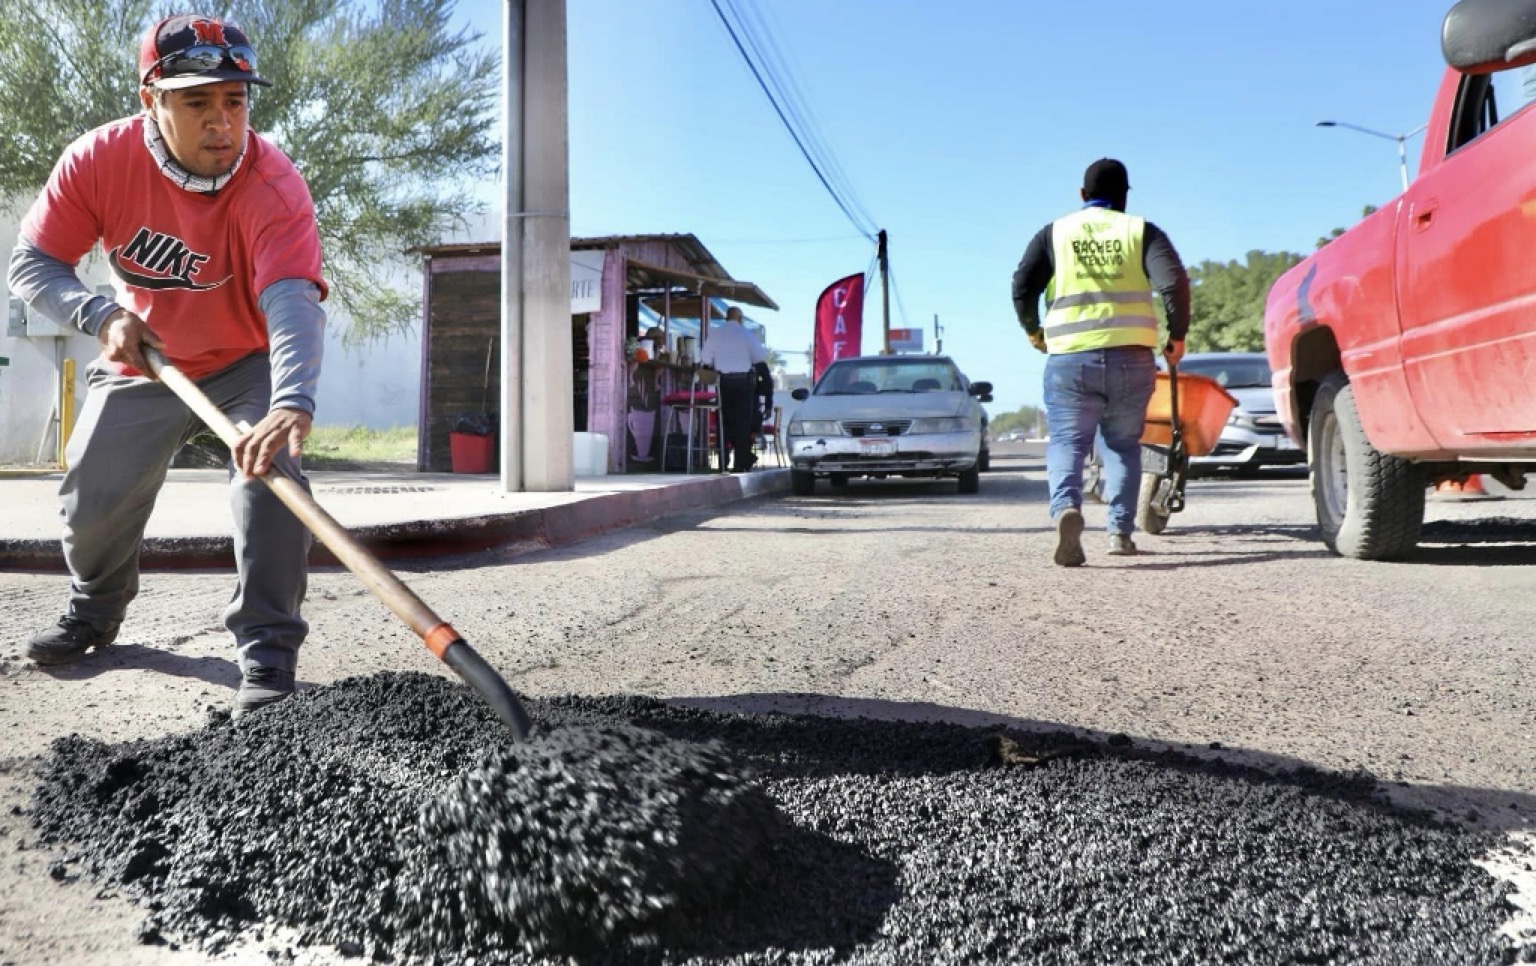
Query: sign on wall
{"x":586,"y":281}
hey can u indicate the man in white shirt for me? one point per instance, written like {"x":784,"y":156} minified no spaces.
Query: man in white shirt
{"x":739,"y":357}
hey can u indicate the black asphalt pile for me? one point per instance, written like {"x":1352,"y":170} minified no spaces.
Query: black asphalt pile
{"x":581,"y":841}
{"x":393,"y":816}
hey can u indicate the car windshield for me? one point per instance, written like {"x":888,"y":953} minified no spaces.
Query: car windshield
{"x":863,"y":377}
{"x":1230,"y":373}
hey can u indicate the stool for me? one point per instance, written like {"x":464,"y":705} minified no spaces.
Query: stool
{"x":768,"y":436}
{"x":691,"y":405}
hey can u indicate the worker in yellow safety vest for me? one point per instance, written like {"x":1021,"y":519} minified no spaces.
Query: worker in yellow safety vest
{"x":1105,"y":275}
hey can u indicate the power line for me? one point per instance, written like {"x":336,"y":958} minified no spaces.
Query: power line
{"x":783,"y":241}
{"x":777,"y":69}
{"x":847,"y":206}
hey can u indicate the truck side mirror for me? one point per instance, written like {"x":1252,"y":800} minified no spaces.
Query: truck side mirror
{"x":1485,"y":36}
{"x":981,"y":389}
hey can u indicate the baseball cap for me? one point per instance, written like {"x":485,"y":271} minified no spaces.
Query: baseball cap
{"x":1106,"y":178}
{"x":190,"y":49}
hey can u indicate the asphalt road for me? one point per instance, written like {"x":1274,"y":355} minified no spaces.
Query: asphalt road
{"x":1233,"y":638}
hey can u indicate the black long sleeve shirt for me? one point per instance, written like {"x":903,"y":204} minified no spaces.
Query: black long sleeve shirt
{"x":1161,"y":262}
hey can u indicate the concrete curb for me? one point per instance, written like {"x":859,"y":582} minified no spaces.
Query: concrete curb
{"x":542,"y":527}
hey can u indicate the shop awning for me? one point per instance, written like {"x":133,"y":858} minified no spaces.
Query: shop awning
{"x":643,"y":278}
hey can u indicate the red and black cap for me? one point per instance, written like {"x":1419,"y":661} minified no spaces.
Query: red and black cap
{"x":191,"y":49}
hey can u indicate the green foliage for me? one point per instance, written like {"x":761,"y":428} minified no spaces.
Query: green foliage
{"x":389,"y":116}
{"x":1227,"y":298}
{"x":66,"y":66}
{"x":341,"y":446}
{"x":1227,"y":301}
{"x":1027,"y":418}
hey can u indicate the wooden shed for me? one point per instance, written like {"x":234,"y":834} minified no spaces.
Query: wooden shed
{"x":461,"y":327}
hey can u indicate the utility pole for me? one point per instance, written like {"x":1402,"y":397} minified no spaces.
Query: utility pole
{"x":536,"y":430}
{"x":938,"y":336}
{"x":885,"y":287}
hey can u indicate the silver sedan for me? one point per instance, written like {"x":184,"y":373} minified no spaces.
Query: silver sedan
{"x":878,"y":416}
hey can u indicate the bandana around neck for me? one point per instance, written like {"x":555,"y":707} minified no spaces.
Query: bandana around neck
{"x":181,"y":176}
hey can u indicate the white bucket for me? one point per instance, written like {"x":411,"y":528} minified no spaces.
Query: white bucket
{"x":589,"y":451}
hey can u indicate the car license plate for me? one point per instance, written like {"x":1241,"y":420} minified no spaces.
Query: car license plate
{"x":877,"y":447}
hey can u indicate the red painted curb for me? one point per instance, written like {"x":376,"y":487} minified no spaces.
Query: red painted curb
{"x":548,"y":526}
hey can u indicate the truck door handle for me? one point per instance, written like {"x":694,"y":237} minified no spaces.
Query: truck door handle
{"x":1424,"y":215}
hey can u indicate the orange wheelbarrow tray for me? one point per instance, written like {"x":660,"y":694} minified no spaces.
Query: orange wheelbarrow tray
{"x":1203,"y":409}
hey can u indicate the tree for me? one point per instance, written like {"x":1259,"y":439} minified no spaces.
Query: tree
{"x":387,"y":114}
{"x":1368,"y":210}
{"x":1026,"y":418}
{"x":1227,"y":301}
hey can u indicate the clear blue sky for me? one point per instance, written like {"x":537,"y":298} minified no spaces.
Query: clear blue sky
{"x":964,"y":127}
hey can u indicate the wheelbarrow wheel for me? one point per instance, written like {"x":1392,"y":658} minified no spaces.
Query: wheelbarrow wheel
{"x":1093,"y":477}
{"x":1151,"y":514}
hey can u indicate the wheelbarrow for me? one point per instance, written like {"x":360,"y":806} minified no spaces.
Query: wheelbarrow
{"x":1169,"y":439}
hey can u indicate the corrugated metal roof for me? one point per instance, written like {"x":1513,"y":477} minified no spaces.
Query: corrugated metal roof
{"x":641,"y":275}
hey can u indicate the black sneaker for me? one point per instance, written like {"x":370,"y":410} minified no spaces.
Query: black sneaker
{"x":69,"y":639}
{"x":262,"y":686}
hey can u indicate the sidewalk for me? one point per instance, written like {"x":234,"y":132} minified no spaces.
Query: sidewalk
{"x":393,"y":514}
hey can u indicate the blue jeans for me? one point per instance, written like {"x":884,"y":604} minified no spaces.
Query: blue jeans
{"x":1103,"y":391}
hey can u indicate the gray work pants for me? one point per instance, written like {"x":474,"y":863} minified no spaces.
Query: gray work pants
{"x":122,"y":445}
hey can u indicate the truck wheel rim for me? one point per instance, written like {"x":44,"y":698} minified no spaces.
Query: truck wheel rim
{"x":1335,"y":471}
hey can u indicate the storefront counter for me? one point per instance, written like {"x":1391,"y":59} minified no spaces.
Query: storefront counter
{"x":646,"y":418}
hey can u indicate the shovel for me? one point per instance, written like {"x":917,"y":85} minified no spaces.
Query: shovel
{"x":437,"y":634}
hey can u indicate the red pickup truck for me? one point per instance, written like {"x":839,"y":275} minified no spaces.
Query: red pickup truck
{"x":1404,"y":351}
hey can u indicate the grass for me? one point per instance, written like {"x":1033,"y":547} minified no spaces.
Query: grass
{"x":328,"y":448}
{"x":344,"y":446}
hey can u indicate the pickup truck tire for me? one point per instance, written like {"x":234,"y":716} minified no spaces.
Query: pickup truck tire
{"x":802,"y":483}
{"x":1370,"y":505}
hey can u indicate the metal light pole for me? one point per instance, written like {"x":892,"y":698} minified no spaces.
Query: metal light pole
{"x":1401,"y":139}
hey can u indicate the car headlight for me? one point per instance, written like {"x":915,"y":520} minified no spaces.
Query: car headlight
{"x":1240,"y":418}
{"x":942,"y":424}
{"x":815,"y":427}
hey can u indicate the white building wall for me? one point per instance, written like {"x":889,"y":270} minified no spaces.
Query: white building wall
{"x":29,"y":386}
{"x":377,"y":386}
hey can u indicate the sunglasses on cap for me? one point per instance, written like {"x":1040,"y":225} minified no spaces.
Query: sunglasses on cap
{"x":200,"y":59}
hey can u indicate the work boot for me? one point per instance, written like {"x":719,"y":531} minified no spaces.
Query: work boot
{"x":262,"y":686}
{"x":1120,"y":545}
{"x":1069,"y":538}
{"x":69,"y":639}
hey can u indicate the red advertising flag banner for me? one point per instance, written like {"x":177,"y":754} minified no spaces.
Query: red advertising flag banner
{"x":839,"y":323}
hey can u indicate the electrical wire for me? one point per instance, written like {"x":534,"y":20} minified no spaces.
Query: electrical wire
{"x":760,"y":36}
{"x":846,"y":204}
{"x":783,"y":241}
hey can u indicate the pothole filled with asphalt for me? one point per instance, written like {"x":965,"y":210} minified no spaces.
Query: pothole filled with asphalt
{"x":393,"y":816}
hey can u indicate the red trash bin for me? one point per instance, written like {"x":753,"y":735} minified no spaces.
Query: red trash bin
{"x":472,"y":454}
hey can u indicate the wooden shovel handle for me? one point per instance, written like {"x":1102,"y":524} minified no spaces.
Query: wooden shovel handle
{"x":437,"y":634}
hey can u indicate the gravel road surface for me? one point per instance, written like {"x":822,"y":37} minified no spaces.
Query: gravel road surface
{"x":1232,"y":748}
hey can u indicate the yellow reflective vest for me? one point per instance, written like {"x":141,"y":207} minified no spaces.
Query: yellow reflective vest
{"x":1100,"y":296}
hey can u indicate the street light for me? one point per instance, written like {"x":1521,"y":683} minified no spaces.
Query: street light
{"x":1401,"y":139}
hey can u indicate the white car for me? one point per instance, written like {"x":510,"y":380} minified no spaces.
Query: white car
{"x":896,"y":415}
{"x":1253,"y":437}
